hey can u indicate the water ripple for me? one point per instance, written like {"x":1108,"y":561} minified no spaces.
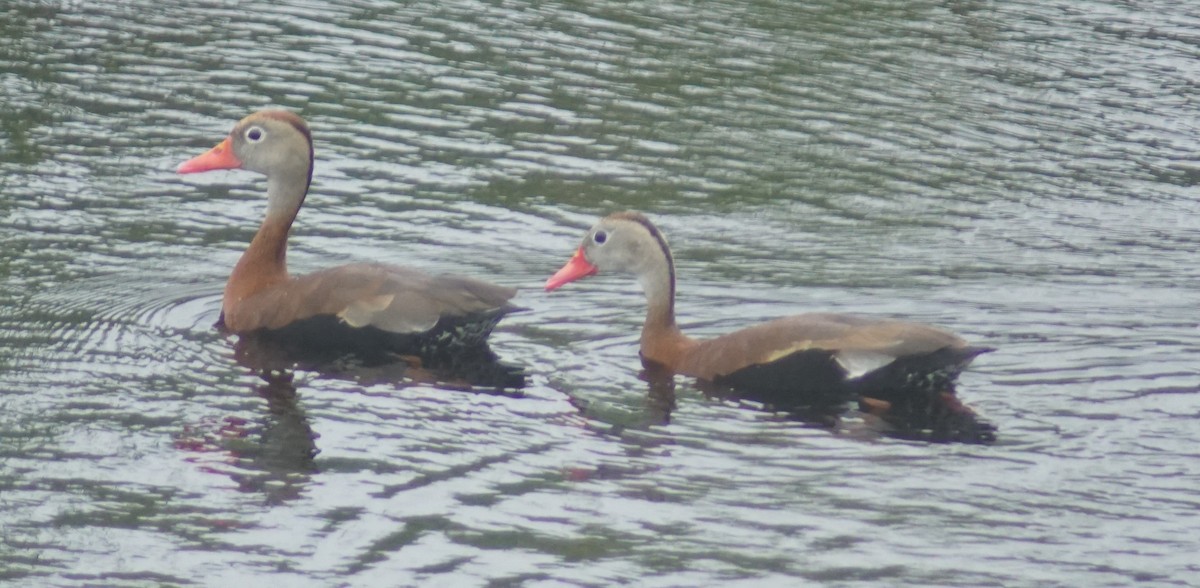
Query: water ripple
{"x":1019,"y":173}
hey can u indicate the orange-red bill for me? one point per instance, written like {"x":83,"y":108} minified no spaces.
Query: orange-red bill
{"x":578,"y":267}
{"x":219,"y":157}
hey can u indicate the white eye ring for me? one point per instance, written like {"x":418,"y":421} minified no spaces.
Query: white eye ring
{"x":255,"y":134}
{"x":600,"y":237}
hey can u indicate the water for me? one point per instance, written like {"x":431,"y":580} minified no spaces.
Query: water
{"x":1022,"y":173}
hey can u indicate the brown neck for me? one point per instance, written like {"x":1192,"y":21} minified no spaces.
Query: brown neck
{"x":264,"y":263}
{"x":662,"y":341}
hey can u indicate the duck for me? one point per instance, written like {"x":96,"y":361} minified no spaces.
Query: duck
{"x":365,"y":307}
{"x":904,"y":372}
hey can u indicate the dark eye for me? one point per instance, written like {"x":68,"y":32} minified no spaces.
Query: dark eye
{"x":600,"y":237}
{"x":255,"y":134}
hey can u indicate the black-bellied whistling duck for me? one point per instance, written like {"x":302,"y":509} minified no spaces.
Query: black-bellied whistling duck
{"x":901,"y":371}
{"x":369,"y":307}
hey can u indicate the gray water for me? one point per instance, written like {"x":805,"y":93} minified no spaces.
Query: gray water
{"x":1020,"y":172}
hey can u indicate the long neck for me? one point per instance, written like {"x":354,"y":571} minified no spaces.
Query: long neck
{"x":264,"y":263}
{"x":660,"y":299}
{"x":662,"y":341}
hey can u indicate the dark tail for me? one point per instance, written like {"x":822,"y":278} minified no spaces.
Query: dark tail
{"x":916,"y":398}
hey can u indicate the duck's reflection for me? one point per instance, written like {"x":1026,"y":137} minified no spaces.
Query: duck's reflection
{"x":277,"y":458}
{"x":274,"y":454}
{"x":660,"y":393}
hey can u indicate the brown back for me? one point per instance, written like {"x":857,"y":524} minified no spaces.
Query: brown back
{"x":392,"y":298}
{"x":858,"y":343}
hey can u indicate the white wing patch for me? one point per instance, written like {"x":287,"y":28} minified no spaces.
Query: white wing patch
{"x":860,"y":363}
{"x":361,"y":312}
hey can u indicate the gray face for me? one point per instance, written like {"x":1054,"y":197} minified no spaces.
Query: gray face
{"x":615,"y":246}
{"x":624,"y":245}
{"x":269,"y":146}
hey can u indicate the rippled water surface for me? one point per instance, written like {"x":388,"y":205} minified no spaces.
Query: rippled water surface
{"x":1020,"y":172}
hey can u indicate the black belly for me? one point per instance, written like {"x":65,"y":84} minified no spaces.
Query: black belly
{"x":455,"y":348}
{"x":914,"y":395}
